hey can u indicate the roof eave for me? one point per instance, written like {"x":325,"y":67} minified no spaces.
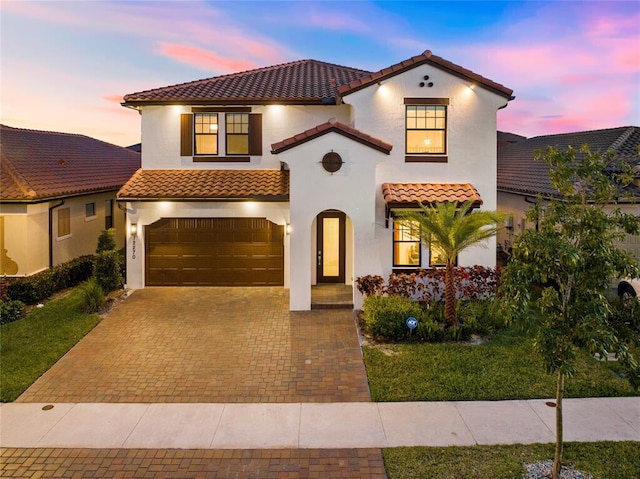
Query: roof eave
{"x":380,"y":76}
{"x":44,"y":199}
{"x":232,"y":101}
{"x":263,"y":199}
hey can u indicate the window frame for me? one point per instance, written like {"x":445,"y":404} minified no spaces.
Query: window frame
{"x":196,"y":134}
{"x":397,"y":227}
{"x":64,"y":223}
{"x":228,"y":133}
{"x":436,"y":157}
{"x":187,"y":134}
{"x":90,"y":211}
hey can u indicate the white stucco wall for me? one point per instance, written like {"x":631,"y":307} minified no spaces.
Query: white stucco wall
{"x":314,"y":190}
{"x":379,"y":110}
{"x":161,"y":134}
{"x":146,"y":213}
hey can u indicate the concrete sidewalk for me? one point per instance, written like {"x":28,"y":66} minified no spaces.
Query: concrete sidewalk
{"x":313,"y":425}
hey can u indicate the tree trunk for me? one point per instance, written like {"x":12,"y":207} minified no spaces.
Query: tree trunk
{"x":557,"y":458}
{"x":450,"y":315}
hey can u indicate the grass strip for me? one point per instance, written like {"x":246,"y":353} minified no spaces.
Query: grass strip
{"x":506,"y":367}
{"x":30,"y":346}
{"x":604,"y":460}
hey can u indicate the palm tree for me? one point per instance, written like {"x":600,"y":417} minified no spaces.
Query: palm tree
{"x":453,"y":227}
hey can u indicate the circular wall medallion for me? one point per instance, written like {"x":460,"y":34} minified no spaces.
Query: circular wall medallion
{"x":332,"y":162}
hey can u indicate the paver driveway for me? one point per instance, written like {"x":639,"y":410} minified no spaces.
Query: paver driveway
{"x":210,"y":345}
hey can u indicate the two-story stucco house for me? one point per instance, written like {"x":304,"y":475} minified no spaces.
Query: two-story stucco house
{"x":290,"y":174}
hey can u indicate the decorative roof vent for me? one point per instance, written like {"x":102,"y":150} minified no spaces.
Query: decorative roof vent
{"x":332,"y":162}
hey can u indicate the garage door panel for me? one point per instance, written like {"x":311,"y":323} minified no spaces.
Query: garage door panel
{"x":214,"y":251}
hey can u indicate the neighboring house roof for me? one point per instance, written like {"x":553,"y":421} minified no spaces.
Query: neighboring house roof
{"x":406,"y":194}
{"x":299,"y":82}
{"x":425,"y":58}
{"x":307,"y":82}
{"x":137,"y":147}
{"x":262,"y":185}
{"x":328,"y":127}
{"x":519,"y":173}
{"x":42,"y":165}
{"x":506,"y":138}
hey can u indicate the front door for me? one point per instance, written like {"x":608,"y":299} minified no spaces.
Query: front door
{"x":331,"y":244}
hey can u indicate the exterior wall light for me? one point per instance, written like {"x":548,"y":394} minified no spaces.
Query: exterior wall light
{"x":133,"y":229}
{"x":287,"y":228}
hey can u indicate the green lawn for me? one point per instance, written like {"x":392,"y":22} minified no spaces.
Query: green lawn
{"x":504,"y":368}
{"x":604,"y":460}
{"x":32,"y":345}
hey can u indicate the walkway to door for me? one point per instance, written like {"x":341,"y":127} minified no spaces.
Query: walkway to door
{"x":210,"y":344}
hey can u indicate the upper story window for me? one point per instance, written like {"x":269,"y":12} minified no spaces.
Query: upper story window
{"x":426,"y":129}
{"x":406,"y":243}
{"x":206,"y":133}
{"x":237,"y":133}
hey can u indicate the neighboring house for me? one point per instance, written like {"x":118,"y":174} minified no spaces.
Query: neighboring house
{"x":290,"y":174}
{"x":57,"y":193}
{"x":521,"y":179}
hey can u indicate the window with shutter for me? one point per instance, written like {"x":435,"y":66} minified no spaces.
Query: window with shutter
{"x":239,"y":131}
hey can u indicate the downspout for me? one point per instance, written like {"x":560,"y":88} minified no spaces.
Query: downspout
{"x":121,"y":208}
{"x":51,"y":208}
{"x":527,"y":200}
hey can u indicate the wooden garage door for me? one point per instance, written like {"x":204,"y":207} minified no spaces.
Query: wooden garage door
{"x":214,"y":252}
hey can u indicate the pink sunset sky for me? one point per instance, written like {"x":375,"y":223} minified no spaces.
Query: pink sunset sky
{"x":66,"y":65}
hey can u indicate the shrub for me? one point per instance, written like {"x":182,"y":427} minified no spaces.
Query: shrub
{"x":385,"y":316}
{"x":37,"y":287}
{"x":426,"y":285}
{"x":106,"y":241}
{"x":370,"y":285}
{"x":107,"y":271}
{"x":480,"y":316}
{"x":93,"y":298}
{"x":10,"y":311}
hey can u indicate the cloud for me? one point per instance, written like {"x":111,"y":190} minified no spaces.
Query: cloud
{"x":113,"y":98}
{"x":163,"y":27}
{"x":203,"y":59}
{"x":578,"y":75}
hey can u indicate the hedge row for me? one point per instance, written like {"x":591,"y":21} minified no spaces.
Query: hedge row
{"x":35,"y":288}
{"x":427,"y":285}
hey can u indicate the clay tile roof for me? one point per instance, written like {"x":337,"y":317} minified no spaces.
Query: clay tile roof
{"x":328,"y":127}
{"x":299,"y":82}
{"x":519,"y":173}
{"x":262,"y":185}
{"x":41,"y":165}
{"x":425,"y":58}
{"x":406,"y":194}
